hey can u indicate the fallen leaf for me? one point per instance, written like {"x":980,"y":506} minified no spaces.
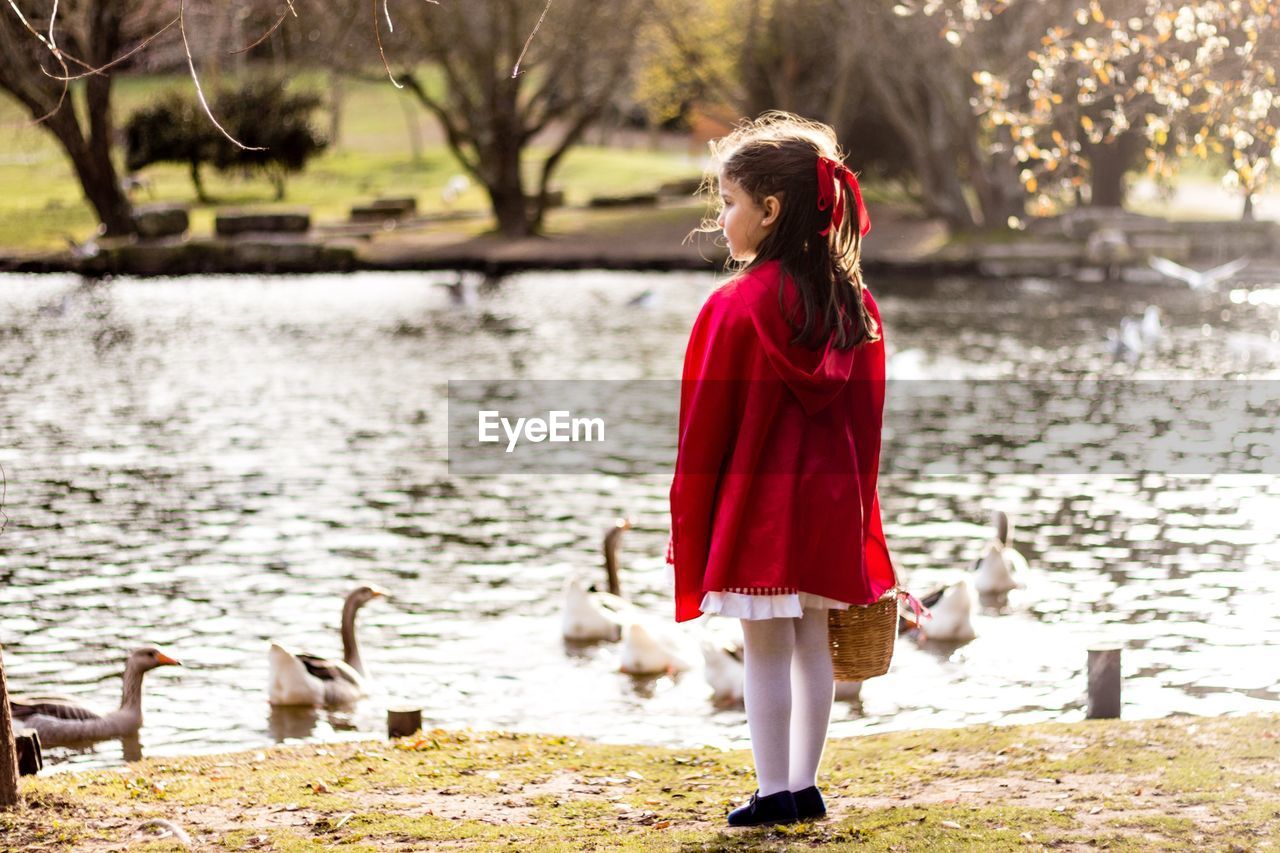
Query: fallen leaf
{"x":951,"y":824}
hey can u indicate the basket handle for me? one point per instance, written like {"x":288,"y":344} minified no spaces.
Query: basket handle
{"x":914,"y":603}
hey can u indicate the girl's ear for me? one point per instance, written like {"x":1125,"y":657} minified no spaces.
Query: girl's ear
{"x":772,"y":207}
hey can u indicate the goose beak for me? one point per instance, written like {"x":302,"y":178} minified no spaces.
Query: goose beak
{"x":379,"y":593}
{"x":165,"y":660}
{"x":623,"y":524}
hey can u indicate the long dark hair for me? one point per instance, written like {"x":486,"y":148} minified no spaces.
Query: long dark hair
{"x":777,"y":154}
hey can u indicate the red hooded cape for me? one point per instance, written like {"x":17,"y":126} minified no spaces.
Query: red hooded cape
{"x":779,"y":448}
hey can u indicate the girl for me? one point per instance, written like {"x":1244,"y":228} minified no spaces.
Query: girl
{"x":775,"y":518}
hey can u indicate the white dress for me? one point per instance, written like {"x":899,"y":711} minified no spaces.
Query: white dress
{"x":754,"y":605}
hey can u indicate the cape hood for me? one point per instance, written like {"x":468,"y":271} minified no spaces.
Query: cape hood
{"x":814,"y":376}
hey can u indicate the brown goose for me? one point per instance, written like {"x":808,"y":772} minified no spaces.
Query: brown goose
{"x":62,"y":721}
{"x":298,"y":678}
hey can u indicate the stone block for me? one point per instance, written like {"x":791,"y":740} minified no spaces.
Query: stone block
{"x":234,"y":223}
{"x":154,"y":221}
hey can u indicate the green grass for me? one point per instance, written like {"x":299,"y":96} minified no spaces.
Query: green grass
{"x":41,"y":205}
{"x":1119,"y":785}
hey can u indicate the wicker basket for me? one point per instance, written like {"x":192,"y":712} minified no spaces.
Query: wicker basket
{"x":862,"y":638}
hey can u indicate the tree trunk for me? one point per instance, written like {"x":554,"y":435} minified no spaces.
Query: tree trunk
{"x":511,"y":207}
{"x":1246,"y":215}
{"x":102,"y":189}
{"x":8,"y":757}
{"x":198,"y":182}
{"x":336,"y":95}
{"x":96,"y":172}
{"x":1109,"y":163}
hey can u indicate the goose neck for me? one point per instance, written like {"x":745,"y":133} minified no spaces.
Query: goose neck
{"x":350,"y":644}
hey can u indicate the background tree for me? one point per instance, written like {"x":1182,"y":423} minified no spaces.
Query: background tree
{"x":275,"y":126}
{"x":86,"y":34}
{"x":1171,"y":80}
{"x":176,"y":130}
{"x":172,"y":130}
{"x":883,"y":74}
{"x":582,"y":54}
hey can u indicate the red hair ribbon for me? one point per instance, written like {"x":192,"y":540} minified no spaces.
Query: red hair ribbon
{"x":830,"y":174}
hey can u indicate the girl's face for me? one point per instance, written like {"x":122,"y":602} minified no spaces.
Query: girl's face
{"x":744,"y":222}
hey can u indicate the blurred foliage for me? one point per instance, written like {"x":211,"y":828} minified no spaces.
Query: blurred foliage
{"x":1189,"y":79}
{"x":984,"y":103}
{"x":272,"y":121}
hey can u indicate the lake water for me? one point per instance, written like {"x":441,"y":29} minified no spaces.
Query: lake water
{"x":210,"y":464}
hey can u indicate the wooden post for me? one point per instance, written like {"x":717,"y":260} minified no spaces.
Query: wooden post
{"x":8,"y":761}
{"x":1104,"y":684}
{"x":402,"y":722}
{"x":26,"y":743}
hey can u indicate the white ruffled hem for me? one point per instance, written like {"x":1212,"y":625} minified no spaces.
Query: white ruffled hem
{"x":786,"y":606}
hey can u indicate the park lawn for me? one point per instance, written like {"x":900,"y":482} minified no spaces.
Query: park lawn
{"x":1170,"y":784}
{"x":41,"y":206}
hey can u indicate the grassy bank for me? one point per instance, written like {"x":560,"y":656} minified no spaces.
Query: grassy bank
{"x":1172,"y":784}
{"x":41,"y":204}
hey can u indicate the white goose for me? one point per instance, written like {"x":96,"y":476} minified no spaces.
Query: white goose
{"x":298,"y":678}
{"x":1000,"y":568}
{"x":589,"y":615}
{"x":63,"y":721}
{"x":951,"y":613}
{"x":725,"y":671}
{"x":653,"y":648}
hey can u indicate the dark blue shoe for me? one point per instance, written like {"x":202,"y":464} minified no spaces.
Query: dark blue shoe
{"x":809,"y":804}
{"x":763,"y":811}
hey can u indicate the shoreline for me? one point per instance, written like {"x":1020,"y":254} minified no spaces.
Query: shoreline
{"x":1156,"y":784}
{"x":1097,"y":243}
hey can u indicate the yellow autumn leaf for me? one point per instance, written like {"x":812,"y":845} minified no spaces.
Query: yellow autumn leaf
{"x":1200,"y":150}
{"x":1086,"y":123}
{"x":1103,"y":77}
{"x":1031,"y":185}
{"x":1097,"y":12}
{"x":1162,"y":136}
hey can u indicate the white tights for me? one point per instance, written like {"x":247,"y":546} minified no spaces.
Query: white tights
{"x":788,"y":688}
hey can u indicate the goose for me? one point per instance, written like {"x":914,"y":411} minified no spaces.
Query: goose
{"x":588,"y":614}
{"x":454,"y":188}
{"x":1152,"y":330}
{"x":646,"y":298}
{"x":298,"y":678}
{"x":725,"y":673}
{"x":951,"y":613}
{"x":999,"y":566}
{"x":649,"y":648}
{"x":63,"y":721}
{"x":1128,"y":344}
{"x":1197,"y":280}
